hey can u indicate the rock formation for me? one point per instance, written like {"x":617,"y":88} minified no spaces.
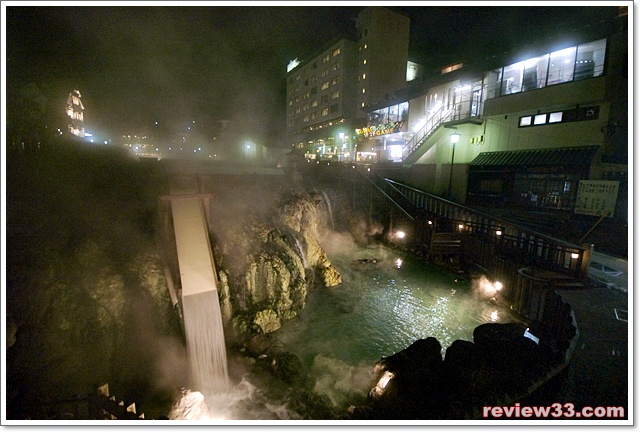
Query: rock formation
{"x":266,"y":268}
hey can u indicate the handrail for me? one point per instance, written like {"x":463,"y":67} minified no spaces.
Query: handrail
{"x":513,"y":239}
{"x":425,"y":131}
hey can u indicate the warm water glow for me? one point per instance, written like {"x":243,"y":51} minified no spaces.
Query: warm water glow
{"x":384,"y":381}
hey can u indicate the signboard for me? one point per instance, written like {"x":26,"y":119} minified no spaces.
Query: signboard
{"x":597,"y":197}
{"x":389,"y":128}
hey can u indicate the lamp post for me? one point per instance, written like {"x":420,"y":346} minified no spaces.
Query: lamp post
{"x":454,"y":139}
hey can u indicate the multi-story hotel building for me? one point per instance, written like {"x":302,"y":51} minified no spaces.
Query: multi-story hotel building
{"x":327,"y":94}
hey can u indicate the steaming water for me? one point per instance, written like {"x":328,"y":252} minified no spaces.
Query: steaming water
{"x":205,"y":341}
{"x":329,"y":209}
{"x":380,"y":308}
{"x":302,"y":253}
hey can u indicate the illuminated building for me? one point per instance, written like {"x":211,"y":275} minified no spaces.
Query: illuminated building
{"x":535,"y":127}
{"x":326,"y":93}
{"x":75,"y":112}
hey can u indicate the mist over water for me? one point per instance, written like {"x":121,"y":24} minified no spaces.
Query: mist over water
{"x":386,"y":302}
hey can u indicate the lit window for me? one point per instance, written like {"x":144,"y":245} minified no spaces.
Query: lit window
{"x":335,"y":94}
{"x":336,"y":52}
{"x":365,"y":46}
{"x":364,"y":90}
{"x":298,"y":110}
{"x":540,"y":119}
{"x":305,"y":95}
{"x":364,"y":61}
{"x":314,"y":103}
{"x":325,"y":72}
{"x":325,"y":85}
{"x":325,"y":58}
{"x":362,"y":105}
{"x":335,"y":81}
{"x":325,"y":111}
{"x":336,"y":66}
{"x":525,"y":121}
{"x":364,"y":76}
{"x":555,"y":117}
{"x":305,"y":118}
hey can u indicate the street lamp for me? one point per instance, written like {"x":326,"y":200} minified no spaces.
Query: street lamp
{"x":454,"y":139}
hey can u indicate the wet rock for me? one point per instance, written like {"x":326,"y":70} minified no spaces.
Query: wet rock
{"x":268,"y":320}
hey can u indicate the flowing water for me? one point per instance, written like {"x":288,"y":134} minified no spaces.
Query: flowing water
{"x":205,"y":341}
{"x":386,"y":302}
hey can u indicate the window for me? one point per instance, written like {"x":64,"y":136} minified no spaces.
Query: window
{"x":298,"y":110}
{"x":334,"y":108}
{"x":325,"y":111}
{"x":335,"y":52}
{"x":555,"y":117}
{"x":365,"y":46}
{"x":590,"y":59}
{"x":297,"y":99}
{"x":525,"y":121}
{"x":336,"y":66}
{"x":297,"y":87}
{"x":314,"y":90}
{"x":540,"y":119}
{"x":325,"y":85}
{"x":364,"y":90}
{"x":305,"y":107}
{"x":325,"y":72}
{"x":305,"y":118}
{"x":335,"y":80}
{"x":314,"y":103}
{"x":535,"y":73}
{"x":335,"y":94}
{"x":364,"y":61}
{"x":305,"y":95}
{"x":512,"y":78}
{"x":314,"y":79}
{"x":362,"y":105}
{"x":314,"y":115}
{"x":324,"y":99}
{"x":364,"y":76}
{"x":561,"y":66}
{"x":290,"y":102}
{"x":325,"y":58}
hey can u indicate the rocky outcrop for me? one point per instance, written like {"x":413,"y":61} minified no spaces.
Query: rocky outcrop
{"x":266,"y":269}
{"x":498,"y":368}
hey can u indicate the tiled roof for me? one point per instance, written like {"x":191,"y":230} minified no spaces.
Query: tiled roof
{"x":542,"y":157}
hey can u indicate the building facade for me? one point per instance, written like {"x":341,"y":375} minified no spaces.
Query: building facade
{"x":529,"y":133}
{"x":75,"y":112}
{"x":328,"y":93}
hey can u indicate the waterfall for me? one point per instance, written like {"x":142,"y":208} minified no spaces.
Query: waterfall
{"x":329,"y":209}
{"x":303,"y":255}
{"x":203,"y":327}
{"x":205,"y":341}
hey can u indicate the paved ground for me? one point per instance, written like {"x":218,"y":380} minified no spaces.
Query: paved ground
{"x":599,"y":374}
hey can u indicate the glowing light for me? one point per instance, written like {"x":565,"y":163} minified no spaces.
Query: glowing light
{"x":398,"y":263}
{"x":574,"y":255}
{"x":498,"y":233}
{"x":494,"y":316}
{"x":384,"y":381}
{"x":368,"y":169}
{"x":497,"y":285}
{"x":430,"y":223}
{"x":461,"y":226}
{"x":400,"y":234}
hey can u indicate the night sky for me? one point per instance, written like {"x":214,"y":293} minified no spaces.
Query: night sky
{"x":136,"y":65}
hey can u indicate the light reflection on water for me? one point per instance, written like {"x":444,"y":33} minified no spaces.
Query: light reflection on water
{"x":382,"y":307}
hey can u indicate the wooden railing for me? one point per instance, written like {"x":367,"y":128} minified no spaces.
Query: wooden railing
{"x":508,"y":239}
